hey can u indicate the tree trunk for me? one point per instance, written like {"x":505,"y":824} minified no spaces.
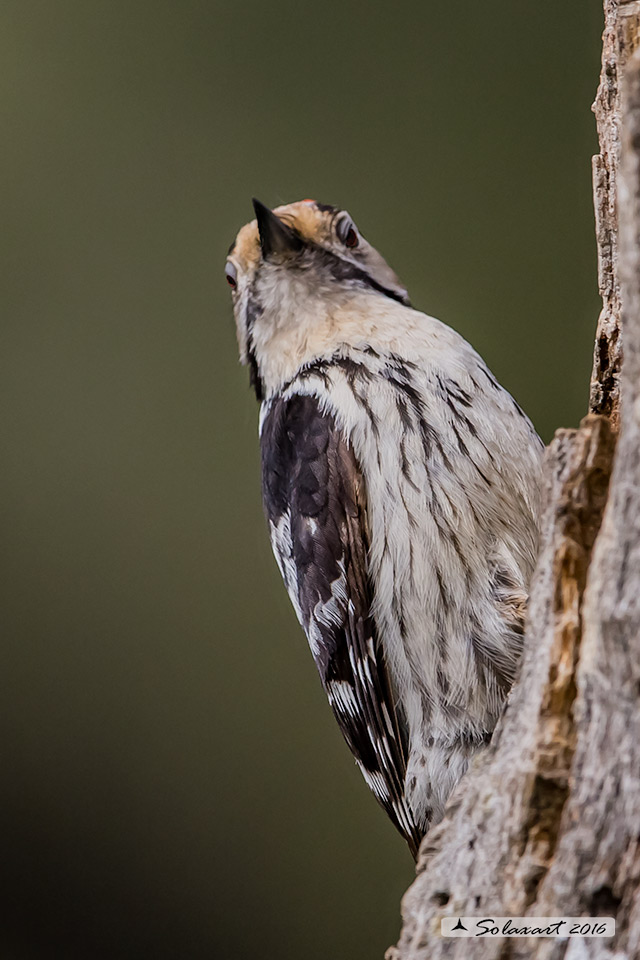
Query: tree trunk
{"x":547,"y":822}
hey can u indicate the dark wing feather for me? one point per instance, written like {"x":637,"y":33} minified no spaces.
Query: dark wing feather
{"x":314,"y":500}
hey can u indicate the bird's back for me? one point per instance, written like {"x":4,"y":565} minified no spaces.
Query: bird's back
{"x":450,"y":473}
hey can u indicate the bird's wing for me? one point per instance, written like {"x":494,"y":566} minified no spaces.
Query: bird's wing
{"x":314,"y":500}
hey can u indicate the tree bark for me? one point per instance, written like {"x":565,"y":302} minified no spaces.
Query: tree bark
{"x":547,"y":821}
{"x":620,"y":39}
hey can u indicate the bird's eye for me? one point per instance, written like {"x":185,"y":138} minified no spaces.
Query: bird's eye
{"x":231,"y":274}
{"x":347,"y":232}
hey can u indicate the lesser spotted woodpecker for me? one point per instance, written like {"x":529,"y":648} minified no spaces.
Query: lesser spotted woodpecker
{"x":401,"y":485}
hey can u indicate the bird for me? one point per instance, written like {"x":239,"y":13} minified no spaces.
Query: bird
{"x":401,"y":485}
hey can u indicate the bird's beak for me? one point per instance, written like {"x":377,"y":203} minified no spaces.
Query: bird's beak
{"x":276,"y":238}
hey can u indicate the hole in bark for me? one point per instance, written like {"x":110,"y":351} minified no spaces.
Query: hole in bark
{"x":478,"y":902}
{"x":604,"y":902}
{"x":546,"y":803}
{"x":603,"y":353}
{"x":441,"y":898}
{"x":532,"y":881}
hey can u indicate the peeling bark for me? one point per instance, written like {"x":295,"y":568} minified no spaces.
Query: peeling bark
{"x":547,"y":822}
{"x":620,"y":39}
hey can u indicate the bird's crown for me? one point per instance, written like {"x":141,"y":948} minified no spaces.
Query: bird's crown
{"x":297,"y":234}
{"x":293,"y":269}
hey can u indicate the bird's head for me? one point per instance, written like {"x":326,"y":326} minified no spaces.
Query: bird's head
{"x":295,"y":274}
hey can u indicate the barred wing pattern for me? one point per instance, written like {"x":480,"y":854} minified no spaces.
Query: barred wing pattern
{"x":314,"y":501}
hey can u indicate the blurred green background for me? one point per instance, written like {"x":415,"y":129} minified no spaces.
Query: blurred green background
{"x":174,"y":785}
